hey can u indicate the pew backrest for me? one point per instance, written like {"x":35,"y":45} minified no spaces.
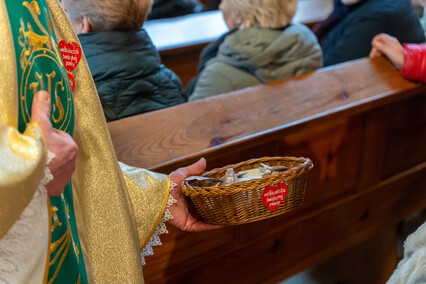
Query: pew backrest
{"x":362,"y":125}
{"x":162,"y":139}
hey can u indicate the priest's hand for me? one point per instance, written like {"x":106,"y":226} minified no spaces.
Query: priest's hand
{"x":184,"y":214}
{"x":58,"y":142}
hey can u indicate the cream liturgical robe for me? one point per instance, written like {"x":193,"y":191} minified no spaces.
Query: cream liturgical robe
{"x":96,"y":230}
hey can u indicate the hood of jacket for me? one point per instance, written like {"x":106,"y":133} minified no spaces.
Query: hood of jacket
{"x":115,"y":54}
{"x":269,"y":54}
{"x":128,"y":73}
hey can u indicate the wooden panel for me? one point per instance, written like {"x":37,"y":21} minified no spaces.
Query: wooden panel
{"x":374,"y":147}
{"x":183,"y":61}
{"x":406,"y":139}
{"x":271,"y":250}
{"x":361,"y":124}
{"x":234,"y":120}
{"x":186,"y":31}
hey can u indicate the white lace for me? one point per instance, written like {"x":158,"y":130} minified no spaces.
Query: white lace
{"x":16,"y":245}
{"x":161,"y":228}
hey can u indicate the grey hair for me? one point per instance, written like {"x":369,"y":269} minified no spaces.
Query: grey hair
{"x":105,"y":15}
{"x":264,"y":13}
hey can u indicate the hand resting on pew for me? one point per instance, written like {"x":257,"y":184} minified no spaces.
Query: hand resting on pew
{"x":410,"y":59}
{"x":384,"y":44}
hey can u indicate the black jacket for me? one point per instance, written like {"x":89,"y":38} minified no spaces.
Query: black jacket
{"x":128,"y":73}
{"x":351,"y":37}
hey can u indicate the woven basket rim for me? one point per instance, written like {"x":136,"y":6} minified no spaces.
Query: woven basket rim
{"x":304,"y":165}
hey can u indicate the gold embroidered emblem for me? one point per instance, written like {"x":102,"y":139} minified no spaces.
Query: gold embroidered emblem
{"x":38,"y":46}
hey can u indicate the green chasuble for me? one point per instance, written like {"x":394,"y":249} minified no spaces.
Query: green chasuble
{"x":106,"y":215}
{"x":40,"y":67}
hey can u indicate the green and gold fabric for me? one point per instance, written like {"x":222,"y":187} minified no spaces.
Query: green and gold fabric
{"x":104,"y":218}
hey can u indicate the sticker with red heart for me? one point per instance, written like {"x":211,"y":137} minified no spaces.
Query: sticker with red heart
{"x":71,"y":54}
{"x":273,"y":196}
{"x":72,"y":83}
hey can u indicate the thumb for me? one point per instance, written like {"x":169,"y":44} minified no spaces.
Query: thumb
{"x":40,"y":111}
{"x":196,"y":168}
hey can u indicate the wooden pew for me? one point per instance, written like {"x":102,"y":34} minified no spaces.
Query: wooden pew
{"x":362,"y":125}
{"x":180,"y":40}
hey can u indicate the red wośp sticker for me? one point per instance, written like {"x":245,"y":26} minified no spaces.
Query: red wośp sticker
{"x":273,"y":196}
{"x":71,"y":54}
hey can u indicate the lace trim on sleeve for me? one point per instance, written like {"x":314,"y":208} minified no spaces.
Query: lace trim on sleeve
{"x":161,"y":228}
{"x":17,"y":245}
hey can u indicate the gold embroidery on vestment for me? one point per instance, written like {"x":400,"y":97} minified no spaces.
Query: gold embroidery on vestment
{"x":45,"y":46}
{"x":56,"y":221}
{"x":63,"y":242}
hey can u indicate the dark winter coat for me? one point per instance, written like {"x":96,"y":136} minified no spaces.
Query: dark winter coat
{"x":351,"y":37}
{"x":128,"y":73}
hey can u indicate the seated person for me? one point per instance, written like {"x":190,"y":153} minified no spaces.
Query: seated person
{"x":410,"y":59}
{"x":263,"y":46}
{"x":347,"y":33}
{"x":125,"y":65}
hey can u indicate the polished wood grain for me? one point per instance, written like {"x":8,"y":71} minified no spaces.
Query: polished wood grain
{"x":237,"y":119}
{"x":361,"y":124}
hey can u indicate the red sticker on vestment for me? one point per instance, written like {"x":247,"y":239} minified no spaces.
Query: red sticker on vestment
{"x":72,"y":83}
{"x":71,"y":54}
{"x":273,"y":196}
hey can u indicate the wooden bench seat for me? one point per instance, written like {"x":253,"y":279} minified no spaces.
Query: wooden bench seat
{"x":360,"y":122}
{"x":180,"y":40}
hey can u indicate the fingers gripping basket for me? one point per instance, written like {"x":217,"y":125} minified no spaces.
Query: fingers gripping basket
{"x":244,"y":202}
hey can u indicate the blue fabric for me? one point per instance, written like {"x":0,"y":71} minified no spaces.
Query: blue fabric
{"x":351,"y":37}
{"x":128,"y":73}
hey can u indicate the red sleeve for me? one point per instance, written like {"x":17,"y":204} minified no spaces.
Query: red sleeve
{"x":414,"y":62}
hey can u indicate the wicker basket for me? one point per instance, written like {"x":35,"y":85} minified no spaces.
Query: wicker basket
{"x":241,"y":202}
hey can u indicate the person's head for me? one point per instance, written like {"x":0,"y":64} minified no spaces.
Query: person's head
{"x":258,"y":13}
{"x":105,"y":15}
